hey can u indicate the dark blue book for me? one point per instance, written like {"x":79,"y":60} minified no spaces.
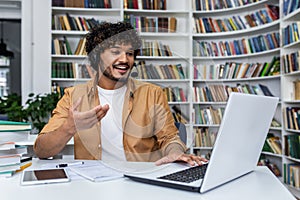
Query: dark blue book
{"x":293,"y":6}
{"x":285,"y":7}
{"x":265,"y":90}
{"x":259,"y":18}
{"x":263,"y":43}
{"x":206,"y":24}
{"x":266,"y":15}
{"x":237,"y":23}
{"x":256,"y":44}
{"x":242,"y":22}
{"x":229,"y":52}
{"x":271,"y":43}
{"x":237,"y":47}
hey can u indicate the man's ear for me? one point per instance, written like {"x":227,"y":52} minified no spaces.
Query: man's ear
{"x":134,"y":72}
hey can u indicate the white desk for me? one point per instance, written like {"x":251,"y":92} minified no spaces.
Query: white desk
{"x":258,"y":185}
{"x":26,"y":139}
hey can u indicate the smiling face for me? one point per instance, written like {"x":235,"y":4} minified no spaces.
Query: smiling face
{"x":115,"y":66}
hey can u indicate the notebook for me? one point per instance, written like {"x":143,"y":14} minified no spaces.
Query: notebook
{"x":237,"y":148}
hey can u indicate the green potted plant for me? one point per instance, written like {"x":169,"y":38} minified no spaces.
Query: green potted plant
{"x":11,"y":107}
{"x":37,"y":108}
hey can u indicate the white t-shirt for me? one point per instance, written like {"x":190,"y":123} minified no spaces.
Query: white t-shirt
{"x":111,"y":124}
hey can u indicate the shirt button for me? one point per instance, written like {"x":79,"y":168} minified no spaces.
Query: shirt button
{"x":99,"y":146}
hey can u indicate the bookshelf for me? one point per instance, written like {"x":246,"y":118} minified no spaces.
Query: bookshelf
{"x":166,"y":46}
{"x":207,"y":64}
{"x":68,"y":58}
{"x":290,"y":102}
{"x":219,"y":65}
{"x":168,"y":24}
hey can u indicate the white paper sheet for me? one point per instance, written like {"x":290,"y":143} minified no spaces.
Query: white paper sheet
{"x":96,"y":171}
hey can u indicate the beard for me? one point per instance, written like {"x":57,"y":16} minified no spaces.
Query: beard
{"x":108,"y":73}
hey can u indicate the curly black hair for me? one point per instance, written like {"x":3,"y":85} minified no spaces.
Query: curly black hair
{"x":107,"y":34}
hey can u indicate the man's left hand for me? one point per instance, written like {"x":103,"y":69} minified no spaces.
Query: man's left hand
{"x":188,"y":158}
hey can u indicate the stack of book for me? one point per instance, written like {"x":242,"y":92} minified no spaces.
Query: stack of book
{"x":12,"y":156}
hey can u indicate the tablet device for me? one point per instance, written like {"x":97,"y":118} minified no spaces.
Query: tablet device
{"x":44,"y":176}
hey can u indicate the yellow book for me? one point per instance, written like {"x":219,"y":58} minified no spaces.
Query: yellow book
{"x":172,"y":24}
{"x":175,"y":70}
{"x":78,"y":23}
{"x":66,"y":22}
{"x":232,"y":24}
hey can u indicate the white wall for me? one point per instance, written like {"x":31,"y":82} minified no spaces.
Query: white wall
{"x":35,"y":42}
{"x":36,"y":48}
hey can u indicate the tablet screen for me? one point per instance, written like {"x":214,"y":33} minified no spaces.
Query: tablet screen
{"x":43,"y":176}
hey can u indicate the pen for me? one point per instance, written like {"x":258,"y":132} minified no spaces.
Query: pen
{"x":24,"y":166}
{"x":69,"y":164}
{"x":25,"y":159}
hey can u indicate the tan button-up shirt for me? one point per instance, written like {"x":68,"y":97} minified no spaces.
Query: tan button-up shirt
{"x":148,"y":125}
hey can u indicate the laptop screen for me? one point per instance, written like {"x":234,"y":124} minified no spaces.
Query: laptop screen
{"x":241,"y":136}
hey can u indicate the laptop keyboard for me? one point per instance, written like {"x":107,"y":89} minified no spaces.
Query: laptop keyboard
{"x":187,"y":175}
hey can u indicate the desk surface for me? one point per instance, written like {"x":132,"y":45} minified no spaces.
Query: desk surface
{"x":22,"y":138}
{"x":260,"y":184}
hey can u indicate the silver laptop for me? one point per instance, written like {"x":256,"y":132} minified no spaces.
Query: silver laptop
{"x":240,"y":139}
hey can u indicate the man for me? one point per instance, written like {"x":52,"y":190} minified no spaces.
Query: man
{"x":114,"y":116}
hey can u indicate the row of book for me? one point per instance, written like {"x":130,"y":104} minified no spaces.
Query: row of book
{"x":292,"y":146}
{"x":220,"y":93}
{"x":152,"y":24}
{"x":291,"y":174}
{"x":291,"y":33}
{"x":179,"y":115}
{"x":155,"y":48}
{"x":62,"y":47}
{"x":235,"y":23}
{"x":291,"y":117}
{"x":291,"y":62}
{"x":205,"y":5}
{"x":73,"y":23}
{"x":146,"y":4}
{"x":82,"y":3}
{"x":208,"y":116}
{"x":272,"y":166}
{"x":175,"y":94}
{"x":70,"y":70}
{"x":168,"y":71}
{"x":290,"y":6}
{"x":234,"y":70}
{"x":242,"y":46}
{"x":149,"y":48}
{"x":203,"y":137}
{"x":273,"y":144}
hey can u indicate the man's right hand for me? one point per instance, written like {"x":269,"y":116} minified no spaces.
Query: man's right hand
{"x":84,"y":120}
